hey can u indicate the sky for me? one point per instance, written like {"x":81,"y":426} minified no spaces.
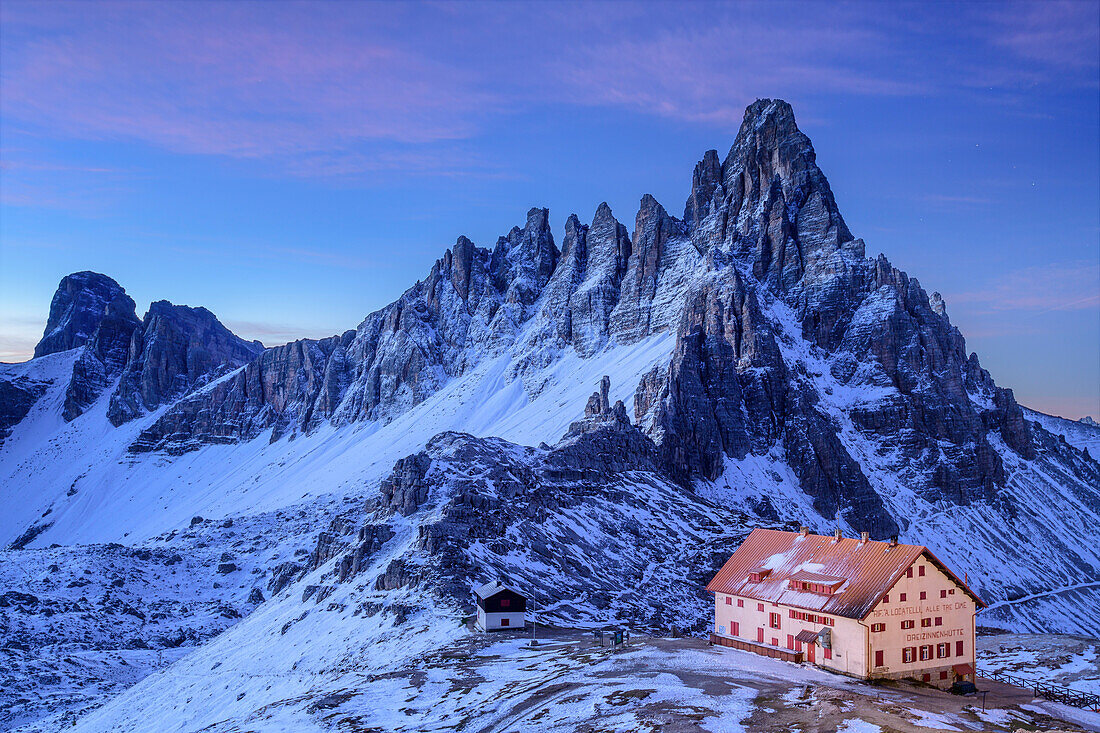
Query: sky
{"x":293,"y":167}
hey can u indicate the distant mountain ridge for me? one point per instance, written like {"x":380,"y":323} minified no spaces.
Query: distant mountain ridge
{"x":762,"y":370}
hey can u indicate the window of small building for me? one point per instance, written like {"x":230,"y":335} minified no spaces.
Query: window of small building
{"x":908,"y":654}
{"x":909,"y":573}
{"x":920,"y":571}
{"x":902,"y":598}
{"x":740,"y":602}
{"x":875,"y":628}
{"x":773,"y":620}
{"x":951,"y":591}
{"x":943,"y":593}
{"x":759,"y":606}
{"x":775,"y":641}
{"x":736,"y":630}
{"x":939,"y":620}
{"x":908,"y":624}
{"x":504,"y":622}
{"x":924,"y":595}
{"x":505,"y":602}
{"x":925,"y":652}
{"x":943,"y":649}
{"x":886,"y":598}
{"x":790,"y":641}
{"x":943,"y":675}
{"x":926,"y":622}
{"x":926,"y":677}
{"x":729,"y":601}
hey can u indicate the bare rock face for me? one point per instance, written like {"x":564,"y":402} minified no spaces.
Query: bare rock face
{"x":175,"y":348}
{"x":632,"y":318}
{"x":17,"y":397}
{"x":282,"y":388}
{"x":82,"y":301}
{"x":608,"y":250}
{"x":405,"y":489}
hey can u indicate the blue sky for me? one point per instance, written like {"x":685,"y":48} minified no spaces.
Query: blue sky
{"x":293,"y":167}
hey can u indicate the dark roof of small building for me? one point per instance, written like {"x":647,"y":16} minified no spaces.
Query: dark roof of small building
{"x":867,"y":569}
{"x":492,"y":588}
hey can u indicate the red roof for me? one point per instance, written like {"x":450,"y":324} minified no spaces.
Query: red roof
{"x":868,"y":569}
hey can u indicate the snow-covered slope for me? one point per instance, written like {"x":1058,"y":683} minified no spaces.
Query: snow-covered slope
{"x":1077,"y":433}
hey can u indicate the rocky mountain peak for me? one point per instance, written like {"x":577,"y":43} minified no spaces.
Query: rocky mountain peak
{"x":81,"y":302}
{"x":174,"y":349}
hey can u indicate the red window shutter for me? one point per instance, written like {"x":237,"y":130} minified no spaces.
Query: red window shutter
{"x":740,"y":602}
{"x":828,"y":653}
{"x":943,"y":675}
{"x":909,"y":573}
{"x":878,"y":658}
{"x":504,"y":622}
{"x":760,"y":635}
{"x":886,"y":598}
{"x":923,"y":595}
{"x":790,"y":641}
{"x":958,"y":648}
{"x":505,"y":602}
{"x":729,"y":601}
{"x":775,"y":641}
{"x":759,"y":606}
{"x":926,"y":677}
{"x":939,"y":620}
{"x":903,"y":598}
{"x":920,"y":571}
{"x":736,"y":629}
{"x":943,"y":593}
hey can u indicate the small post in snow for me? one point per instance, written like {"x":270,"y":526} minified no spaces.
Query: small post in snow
{"x":534,"y":617}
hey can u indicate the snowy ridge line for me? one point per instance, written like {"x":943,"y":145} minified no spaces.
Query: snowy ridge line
{"x":1055,"y":591}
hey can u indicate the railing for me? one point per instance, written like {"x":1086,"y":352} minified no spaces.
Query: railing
{"x":1064,"y":695}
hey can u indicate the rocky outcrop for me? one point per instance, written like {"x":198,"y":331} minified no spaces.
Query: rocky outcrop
{"x":17,"y":397}
{"x":405,"y":489}
{"x":105,"y":352}
{"x":633,"y":317}
{"x":82,"y":301}
{"x":174,"y":350}
{"x":283,"y":389}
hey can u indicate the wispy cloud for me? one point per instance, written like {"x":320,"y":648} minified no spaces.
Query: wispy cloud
{"x":236,"y":80}
{"x":1060,"y":286}
{"x":339,"y":91}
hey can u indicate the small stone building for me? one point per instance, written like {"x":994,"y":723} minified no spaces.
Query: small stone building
{"x":859,"y":607}
{"x":500,"y":607}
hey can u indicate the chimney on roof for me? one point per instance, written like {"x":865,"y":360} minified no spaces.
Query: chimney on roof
{"x":804,"y":530}
{"x":894,"y":541}
{"x":836,"y":534}
{"x":863,"y":537}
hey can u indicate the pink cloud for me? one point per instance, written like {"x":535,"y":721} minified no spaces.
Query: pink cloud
{"x":225,"y":80}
